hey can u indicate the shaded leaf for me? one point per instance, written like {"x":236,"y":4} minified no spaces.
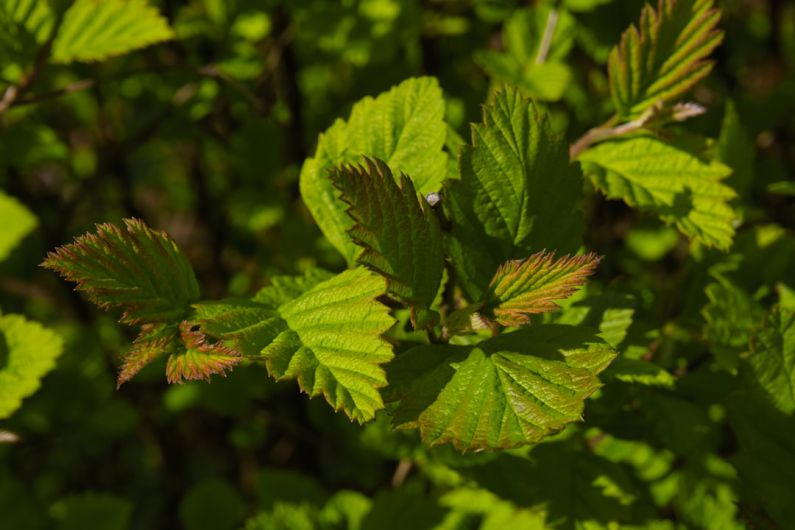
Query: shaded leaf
{"x":93,"y":30}
{"x":736,"y":149}
{"x":399,"y":233}
{"x":101,"y":511}
{"x":523,"y":288}
{"x":772,"y":359}
{"x":679,"y":187}
{"x":134,"y":268}
{"x":664,"y":56}
{"x":403,"y":127}
{"x":504,"y":392}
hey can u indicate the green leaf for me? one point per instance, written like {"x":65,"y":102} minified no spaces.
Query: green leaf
{"x":331,"y":343}
{"x":736,"y":149}
{"x":678,"y":186}
{"x":539,"y":74}
{"x":399,"y":233}
{"x":730,"y":317}
{"x":17,"y":222}
{"x":640,"y":372}
{"x":404,"y":127}
{"x":517,"y":195}
{"x":505,"y":392}
{"x":248,"y":325}
{"x":29,"y":351}
{"x":93,"y":30}
{"x":772,"y":359}
{"x":100,"y":511}
{"x":764,"y":461}
{"x":285,"y":516}
{"x":664,"y":56}
{"x":134,"y":268}
{"x":531,"y":286}
{"x":24,"y":25}
{"x":611,"y":313}
{"x":211,"y":504}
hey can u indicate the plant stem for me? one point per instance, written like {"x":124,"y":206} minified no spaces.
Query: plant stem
{"x":546,"y":39}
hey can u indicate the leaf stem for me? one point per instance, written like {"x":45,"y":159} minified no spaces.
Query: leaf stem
{"x":546,"y":38}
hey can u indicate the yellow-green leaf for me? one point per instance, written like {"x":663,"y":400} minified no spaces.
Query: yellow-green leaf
{"x":93,"y":30}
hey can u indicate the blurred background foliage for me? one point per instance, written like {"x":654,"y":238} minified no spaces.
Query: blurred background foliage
{"x":204,"y":135}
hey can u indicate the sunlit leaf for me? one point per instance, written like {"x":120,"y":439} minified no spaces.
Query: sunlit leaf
{"x":404,"y":127}
{"x":664,"y":56}
{"x":28,"y":351}
{"x":93,"y":30}
{"x":678,"y":186}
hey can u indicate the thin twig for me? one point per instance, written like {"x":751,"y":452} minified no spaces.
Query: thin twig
{"x":600,"y":133}
{"x":401,"y":472}
{"x":546,"y":39}
{"x":77,"y":86}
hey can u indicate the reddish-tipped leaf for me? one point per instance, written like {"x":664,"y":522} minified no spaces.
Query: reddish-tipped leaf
{"x":135,"y":268}
{"x":531,"y":286}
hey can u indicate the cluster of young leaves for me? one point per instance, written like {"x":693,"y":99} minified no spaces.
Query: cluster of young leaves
{"x":326,"y":331}
{"x":445,"y":316}
{"x":656,"y":63}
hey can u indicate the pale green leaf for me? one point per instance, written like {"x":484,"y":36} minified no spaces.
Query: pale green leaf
{"x":331,"y":343}
{"x":531,"y":286}
{"x":403,"y":127}
{"x":93,"y":30}
{"x":398,"y":232}
{"x":17,"y":222}
{"x":772,"y":359}
{"x":678,"y":186}
{"x":505,"y":392}
{"x":28,"y":351}
{"x":517,"y":195}
{"x":134,"y":268}
{"x":664,"y":56}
